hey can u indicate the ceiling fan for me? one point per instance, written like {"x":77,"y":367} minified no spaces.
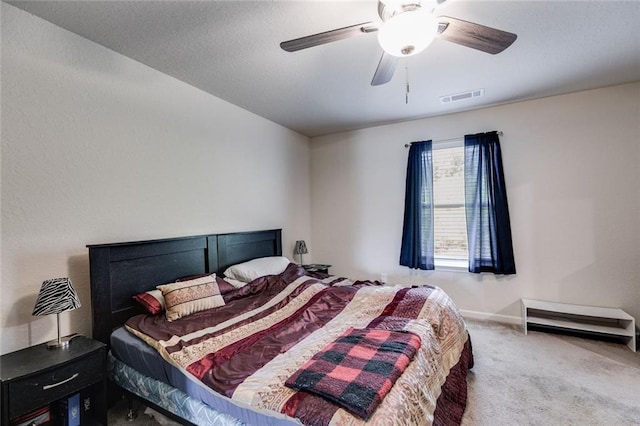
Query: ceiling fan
{"x":407,"y":28}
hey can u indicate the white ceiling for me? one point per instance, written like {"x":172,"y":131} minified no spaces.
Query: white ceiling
{"x":231,"y":50}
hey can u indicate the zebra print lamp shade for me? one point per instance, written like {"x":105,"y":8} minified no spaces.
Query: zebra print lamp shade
{"x":300,"y":248}
{"x":56,"y":296}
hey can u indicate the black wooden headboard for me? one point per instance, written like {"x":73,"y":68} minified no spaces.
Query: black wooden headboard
{"x":121,"y":270}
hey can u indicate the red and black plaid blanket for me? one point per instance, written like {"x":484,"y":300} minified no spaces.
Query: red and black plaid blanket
{"x":357,"y":370}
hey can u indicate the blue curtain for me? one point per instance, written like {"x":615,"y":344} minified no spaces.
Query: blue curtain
{"x":417,"y":232}
{"x":488,"y":226}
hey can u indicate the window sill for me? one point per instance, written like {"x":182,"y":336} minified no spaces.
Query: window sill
{"x":451,"y":265}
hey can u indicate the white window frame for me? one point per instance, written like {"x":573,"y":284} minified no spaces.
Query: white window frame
{"x":445,"y":264}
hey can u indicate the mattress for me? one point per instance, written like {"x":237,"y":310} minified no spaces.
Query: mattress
{"x":142,"y":362}
{"x":166,"y":396}
{"x":137,"y":354}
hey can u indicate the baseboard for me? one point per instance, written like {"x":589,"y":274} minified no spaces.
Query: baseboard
{"x":485,"y":316}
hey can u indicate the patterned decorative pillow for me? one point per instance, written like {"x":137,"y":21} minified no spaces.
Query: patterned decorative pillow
{"x":225,"y":286}
{"x":152,"y":301}
{"x":188,"y":297}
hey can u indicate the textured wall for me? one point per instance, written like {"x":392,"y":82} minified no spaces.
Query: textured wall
{"x":99,"y":148}
{"x":572,"y":166}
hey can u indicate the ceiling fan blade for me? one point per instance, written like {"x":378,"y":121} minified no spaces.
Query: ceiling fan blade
{"x":328,"y":36}
{"x":385,"y":70}
{"x":475,"y":36}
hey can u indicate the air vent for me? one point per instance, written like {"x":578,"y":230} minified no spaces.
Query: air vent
{"x":461,"y":96}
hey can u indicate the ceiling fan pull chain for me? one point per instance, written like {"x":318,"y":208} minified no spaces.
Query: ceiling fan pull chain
{"x":406,"y":95}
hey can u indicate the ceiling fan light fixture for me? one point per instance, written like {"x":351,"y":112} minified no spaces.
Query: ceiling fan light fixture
{"x":389,"y":8}
{"x":407,"y":33}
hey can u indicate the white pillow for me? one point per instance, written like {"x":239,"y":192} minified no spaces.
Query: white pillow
{"x":249,"y":271}
{"x":235,"y":283}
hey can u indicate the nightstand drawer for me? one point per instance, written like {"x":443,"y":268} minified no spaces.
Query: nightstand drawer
{"x":41,"y":389}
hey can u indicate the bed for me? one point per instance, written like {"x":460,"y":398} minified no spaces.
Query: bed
{"x":228,"y":365}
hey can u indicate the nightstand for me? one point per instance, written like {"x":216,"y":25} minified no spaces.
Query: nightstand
{"x":317,"y":267}
{"x":36,"y":377}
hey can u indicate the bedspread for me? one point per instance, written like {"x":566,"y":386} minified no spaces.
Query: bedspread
{"x":247,"y":349}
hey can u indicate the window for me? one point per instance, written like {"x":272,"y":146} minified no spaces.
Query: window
{"x":451,"y":188}
{"x":449,"y":222}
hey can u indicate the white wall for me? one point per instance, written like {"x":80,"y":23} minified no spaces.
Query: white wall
{"x":99,"y":148}
{"x":572,"y":166}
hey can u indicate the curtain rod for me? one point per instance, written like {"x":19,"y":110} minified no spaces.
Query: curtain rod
{"x":407,"y":145}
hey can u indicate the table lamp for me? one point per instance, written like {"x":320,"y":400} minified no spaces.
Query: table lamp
{"x":56,"y":296}
{"x":301,"y":248}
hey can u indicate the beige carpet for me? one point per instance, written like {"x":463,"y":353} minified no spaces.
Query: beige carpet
{"x":548,"y":379}
{"x":537,"y":379}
